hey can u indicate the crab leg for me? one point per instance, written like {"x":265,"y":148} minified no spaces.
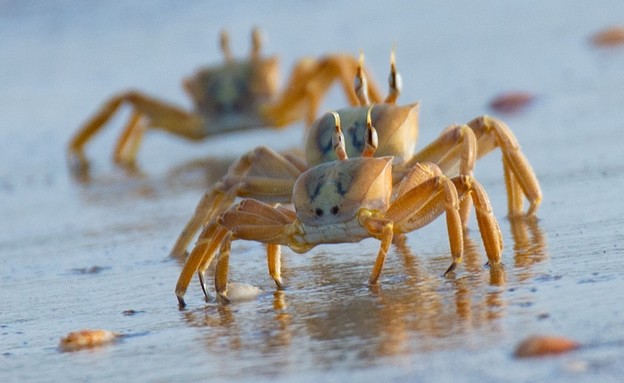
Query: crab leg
{"x":157,"y":113}
{"x":455,"y":148}
{"x":309,"y":82}
{"x":252,"y":220}
{"x":488,"y":226}
{"x":425,"y":202}
{"x":266,"y":188}
{"x":256,"y":221}
{"x":492,"y":132}
{"x":275,"y":264}
{"x":261,"y":173}
{"x":209,"y":203}
{"x":454,"y":151}
{"x":129,"y":141}
{"x":221,"y":272}
{"x":382,"y":229}
{"x":514,"y":190}
{"x":202,"y":254}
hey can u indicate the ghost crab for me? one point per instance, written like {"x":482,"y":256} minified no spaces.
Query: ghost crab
{"x":269,"y":176}
{"x":348,"y":200}
{"x":236,"y":95}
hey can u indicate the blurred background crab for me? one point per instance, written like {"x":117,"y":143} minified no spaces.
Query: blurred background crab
{"x":269,"y":176}
{"x":238,"y":94}
{"x":347,"y":200}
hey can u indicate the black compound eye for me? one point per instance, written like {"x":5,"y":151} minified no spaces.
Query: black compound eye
{"x":319,"y":212}
{"x":334,"y":210}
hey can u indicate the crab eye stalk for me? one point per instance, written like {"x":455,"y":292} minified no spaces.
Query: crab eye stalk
{"x":256,"y":42}
{"x":338,"y":139}
{"x":395,"y":81}
{"x":361,"y":84}
{"x":224,"y":40}
{"x":371,"y":139}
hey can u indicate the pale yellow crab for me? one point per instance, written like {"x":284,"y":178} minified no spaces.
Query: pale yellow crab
{"x":235,"y":95}
{"x":347,"y":200}
{"x":266,"y":175}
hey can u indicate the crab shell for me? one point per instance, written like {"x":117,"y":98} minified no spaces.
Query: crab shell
{"x":397,"y":127}
{"x":333,"y":193}
{"x":229,"y":96}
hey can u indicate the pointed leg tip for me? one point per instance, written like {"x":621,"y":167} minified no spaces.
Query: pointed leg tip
{"x":280,"y":284}
{"x":78,"y":165}
{"x":181,"y":303}
{"x":451,"y":268}
{"x":131,"y":167}
{"x":223,"y":299}
{"x":179,"y":254}
{"x":207,"y":297}
{"x":532,"y":212}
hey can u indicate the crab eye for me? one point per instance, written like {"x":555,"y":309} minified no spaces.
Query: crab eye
{"x":319,"y":212}
{"x":334,"y":210}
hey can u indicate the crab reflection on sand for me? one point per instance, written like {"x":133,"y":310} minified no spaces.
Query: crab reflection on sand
{"x":410,"y":312}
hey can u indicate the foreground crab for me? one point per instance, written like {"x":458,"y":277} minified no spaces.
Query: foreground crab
{"x":239,"y":94}
{"x":347,"y":200}
{"x":269,"y":176}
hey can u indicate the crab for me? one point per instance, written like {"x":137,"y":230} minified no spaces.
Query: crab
{"x":348,"y":200}
{"x":236,"y":95}
{"x":269,"y":176}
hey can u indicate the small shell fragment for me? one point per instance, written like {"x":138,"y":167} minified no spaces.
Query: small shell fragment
{"x":242,"y":291}
{"x":82,"y":339}
{"x":609,"y":37}
{"x":511,"y":102}
{"x":540,"y":345}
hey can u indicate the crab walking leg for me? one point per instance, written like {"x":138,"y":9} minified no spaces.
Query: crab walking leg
{"x":424,"y":203}
{"x":218,"y":199}
{"x":210,"y":202}
{"x":382,"y":229}
{"x":261,"y":173}
{"x":492,"y":132}
{"x":201,"y":271}
{"x":271,"y":189}
{"x":202,"y":283}
{"x":129,"y":142}
{"x":450,"y":150}
{"x":454,"y":150}
{"x":253,"y":220}
{"x":491,"y":235}
{"x":221,"y":272}
{"x":309,"y":81}
{"x":124,"y":137}
{"x":275,"y":264}
{"x":514,"y":190}
{"x":209,"y":241}
{"x":157,"y":113}
{"x":256,"y":221}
